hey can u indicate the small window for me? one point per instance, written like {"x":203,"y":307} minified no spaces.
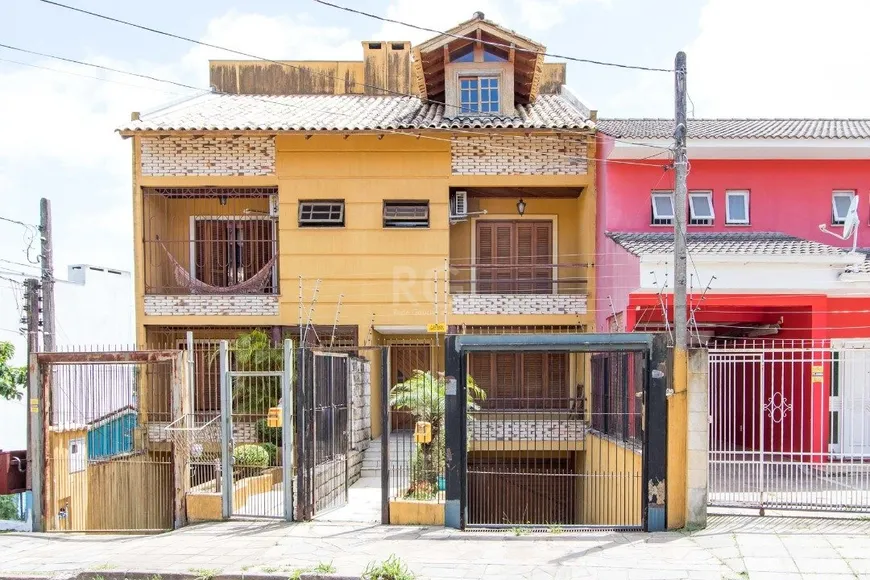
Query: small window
{"x":737,"y":207}
{"x":406,"y":214}
{"x":662,"y":208}
{"x":479,"y":94}
{"x":463,"y":54}
{"x":840,"y":206}
{"x":321,"y":213}
{"x":701,"y":208}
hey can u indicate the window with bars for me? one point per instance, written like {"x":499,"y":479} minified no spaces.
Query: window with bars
{"x":701,"y":208}
{"x":406,"y":214}
{"x":229,"y":251}
{"x":662,"y":208}
{"x":522,"y":381}
{"x":514,"y":257}
{"x":321,"y":213}
{"x":479,"y":94}
{"x":617,"y":379}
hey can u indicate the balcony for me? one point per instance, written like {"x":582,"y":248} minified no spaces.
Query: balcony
{"x":519,"y":288}
{"x":210,"y":252}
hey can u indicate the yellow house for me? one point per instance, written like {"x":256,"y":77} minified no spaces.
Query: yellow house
{"x":450,"y":182}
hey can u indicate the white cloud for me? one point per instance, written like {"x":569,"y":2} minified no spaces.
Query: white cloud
{"x":778,"y":58}
{"x":544,"y":14}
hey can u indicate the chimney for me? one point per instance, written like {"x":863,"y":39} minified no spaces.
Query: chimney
{"x":388,"y":65}
{"x":478,"y":16}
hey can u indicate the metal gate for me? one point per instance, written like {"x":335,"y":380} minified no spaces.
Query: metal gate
{"x":256,"y":429}
{"x":323,"y":432}
{"x":790,"y":425}
{"x":100,"y":458}
{"x":555,"y":431}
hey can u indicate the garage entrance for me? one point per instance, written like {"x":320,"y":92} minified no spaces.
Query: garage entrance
{"x":556,"y":431}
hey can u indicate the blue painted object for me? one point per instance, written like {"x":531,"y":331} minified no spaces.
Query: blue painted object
{"x":442,"y":483}
{"x":112,"y":436}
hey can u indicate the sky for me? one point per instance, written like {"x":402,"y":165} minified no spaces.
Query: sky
{"x":746,"y":58}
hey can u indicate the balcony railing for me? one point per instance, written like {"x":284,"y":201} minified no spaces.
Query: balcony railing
{"x":565,"y":278}
{"x":246,"y":265}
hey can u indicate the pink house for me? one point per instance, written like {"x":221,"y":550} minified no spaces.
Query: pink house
{"x":783,"y":305}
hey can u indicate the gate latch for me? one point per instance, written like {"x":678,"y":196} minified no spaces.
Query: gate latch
{"x":275,"y":417}
{"x":423,"y":432}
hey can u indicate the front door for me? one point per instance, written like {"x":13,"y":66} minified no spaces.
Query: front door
{"x":854,"y":378}
{"x":514,"y":257}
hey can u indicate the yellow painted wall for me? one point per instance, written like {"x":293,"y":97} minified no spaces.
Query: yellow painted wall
{"x":65,"y":488}
{"x":612,"y":490}
{"x":418,"y":513}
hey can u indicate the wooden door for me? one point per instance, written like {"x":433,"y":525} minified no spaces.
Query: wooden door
{"x":514,"y":257}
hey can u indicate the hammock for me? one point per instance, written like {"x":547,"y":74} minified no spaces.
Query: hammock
{"x":252,"y":285}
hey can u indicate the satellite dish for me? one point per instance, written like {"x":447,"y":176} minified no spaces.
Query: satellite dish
{"x":850,"y":225}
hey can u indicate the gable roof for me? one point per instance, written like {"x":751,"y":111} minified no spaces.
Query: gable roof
{"x":724,"y":244}
{"x":224,"y":112}
{"x":739,"y":128}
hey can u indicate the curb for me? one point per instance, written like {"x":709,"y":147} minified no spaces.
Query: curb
{"x":120,"y":575}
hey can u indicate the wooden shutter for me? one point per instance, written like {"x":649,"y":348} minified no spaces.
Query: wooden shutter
{"x":503,"y":248}
{"x":484,"y":276}
{"x":543,"y":254}
{"x":514,"y":249}
{"x":525,"y":256}
{"x":211,"y":241}
{"x":534,"y":390}
{"x":557,"y":380}
{"x":257,"y":248}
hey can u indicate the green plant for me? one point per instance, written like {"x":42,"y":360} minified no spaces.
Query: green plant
{"x":556,"y":530}
{"x":11,"y":378}
{"x":272,"y":450}
{"x":8,"y":509}
{"x":324,"y":568}
{"x":390,"y":569}
{"x":250,"y":456}
{"x":424,"y":396}
{"x":266,"y":434}
{"x":270,"y":569}
{"x":421,"y":490}
{"x":254,"y":351}
{"x":520,"y":531}
{"x":204,"y":573}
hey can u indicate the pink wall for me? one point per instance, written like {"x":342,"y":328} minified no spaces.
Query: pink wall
{"x":789,"y":196}
{"x":617,"y":272}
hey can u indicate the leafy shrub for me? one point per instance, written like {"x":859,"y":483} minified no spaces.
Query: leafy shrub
{"x":8,"y":509}
{"x":251,"y":456}
{"x":421,"y":490}
{"x":390,"y":569}
{"x":268,"y":434}
{"x":272,"y":450}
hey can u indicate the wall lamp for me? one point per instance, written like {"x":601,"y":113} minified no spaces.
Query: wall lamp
{"x":521,"y":207}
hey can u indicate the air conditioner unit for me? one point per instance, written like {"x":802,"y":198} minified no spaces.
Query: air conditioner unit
{"x":460,"y":204}
{"x":273,"y":205}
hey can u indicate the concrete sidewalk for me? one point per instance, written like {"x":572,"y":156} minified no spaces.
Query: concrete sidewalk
{"x":731,"y":547}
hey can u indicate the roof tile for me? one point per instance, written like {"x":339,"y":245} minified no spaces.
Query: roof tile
{"x":726,"y":243}
{"x":739,"y":128}
{"x":222,"y":112}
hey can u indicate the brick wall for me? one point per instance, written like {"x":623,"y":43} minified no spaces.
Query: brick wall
{"x":510,"y":155}
{"x":211,"y":305}
{"x":518,"y":304}
{"x":173,"y":156}
{"x":563,"y":429}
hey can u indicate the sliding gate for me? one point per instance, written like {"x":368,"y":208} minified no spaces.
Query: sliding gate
{"x":556,"y":431}
{"x":790,"y":425}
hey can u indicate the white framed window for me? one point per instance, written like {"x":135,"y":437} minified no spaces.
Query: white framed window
{"x":737,"y":207}
{"x":840,"y":202}
{"x":701,"y":208}
{"x":321,"y":213}
{"x":662,"y":208}
{"x":478,"y":94}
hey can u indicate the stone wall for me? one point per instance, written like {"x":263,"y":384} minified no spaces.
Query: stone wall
{"x":518,"y":304}
{"x":175,"y":156}
{"x":518,"y":155}
{"x":361,"y":414}
{"x":211,"y":305}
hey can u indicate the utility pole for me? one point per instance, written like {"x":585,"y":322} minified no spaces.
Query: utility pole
{"x":680,"y":194}
{"x":48,"y":332}
{"x":31,"y":318}
{"x":677,"y":399}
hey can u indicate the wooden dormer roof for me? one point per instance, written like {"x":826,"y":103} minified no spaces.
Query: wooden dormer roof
{"x":526,"y":55}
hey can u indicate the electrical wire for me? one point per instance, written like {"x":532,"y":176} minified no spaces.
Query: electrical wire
{"x":639,"y":162}
{"x":243,"y":53}
{"x":19,"y":263}
{"x":12,"y":221}
{"x":491,"y":43}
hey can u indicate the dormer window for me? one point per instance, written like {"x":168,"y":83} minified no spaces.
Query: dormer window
{"x":479,"y":94}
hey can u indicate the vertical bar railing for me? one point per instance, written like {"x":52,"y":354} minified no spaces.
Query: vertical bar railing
{"x":287,"y":429}
{"x":226,"y":432}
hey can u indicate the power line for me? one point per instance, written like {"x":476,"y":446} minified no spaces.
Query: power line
{"x":75,"y":74}
{"x":99,"y":66}
{"x":12,"y":221}
{"x":487,"y":42}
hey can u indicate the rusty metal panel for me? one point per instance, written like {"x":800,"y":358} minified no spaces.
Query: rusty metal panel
{"x":107,"y":357}
{"x":553,"y":76}
{"x":13,"y":472}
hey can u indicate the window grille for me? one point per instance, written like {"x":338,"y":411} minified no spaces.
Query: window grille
{"x":406,"y":214}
